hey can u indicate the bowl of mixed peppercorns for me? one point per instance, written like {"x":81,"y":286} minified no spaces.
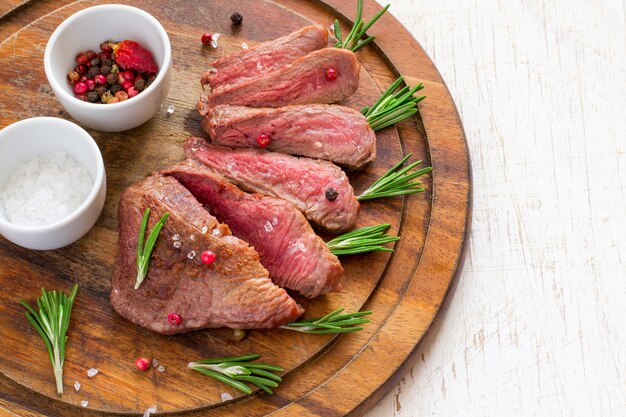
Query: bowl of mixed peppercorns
{"x":114,"y":76}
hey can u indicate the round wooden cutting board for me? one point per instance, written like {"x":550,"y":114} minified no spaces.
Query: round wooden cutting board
{"x":324,"y":375}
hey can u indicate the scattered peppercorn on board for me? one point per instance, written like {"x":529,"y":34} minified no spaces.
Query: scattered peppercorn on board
{"x":324,"y":375}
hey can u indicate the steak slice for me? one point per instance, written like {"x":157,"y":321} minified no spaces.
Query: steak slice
{"x":301,"y":82}
{"x":234,"y":291}
{"x":265,"y":57}
{"x":334,"y":133}
{"x":303,"y":182}
{"x":294,"y":255}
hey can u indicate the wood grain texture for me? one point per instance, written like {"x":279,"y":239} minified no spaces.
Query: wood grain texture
{"x":324,"y":375}
{"x":536,"y":326}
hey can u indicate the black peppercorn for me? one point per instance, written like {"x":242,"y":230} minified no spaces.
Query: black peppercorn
{"x":95,"y":62}
{"x":115,"y":88}
{"x":101,"y":89}
{"x":93,"y":71}
{"x":112,"y":79}
{"x":105,"y":70}
{"x":92,"y":96}
{"x":107,"y":62}
{"x":236,"y":18}
{"x":331,"y":194}
{"x":140,"y":84}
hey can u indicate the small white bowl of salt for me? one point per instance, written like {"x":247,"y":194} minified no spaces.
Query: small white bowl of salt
{"x":52,"y":183}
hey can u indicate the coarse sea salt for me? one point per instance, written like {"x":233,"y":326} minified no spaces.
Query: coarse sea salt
{"x":45,"y":190}
{"x":150,"y":411}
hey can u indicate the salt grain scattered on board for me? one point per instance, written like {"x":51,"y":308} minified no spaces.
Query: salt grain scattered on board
{"x":150,"y":411}
{"x":84,"y":403}
{"x":91,"y":372}
{"x":77,"y":386}
{"x":226,"y":396}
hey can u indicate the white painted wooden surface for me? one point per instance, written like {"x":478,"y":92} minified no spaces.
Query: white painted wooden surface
{"x":537,"y":324}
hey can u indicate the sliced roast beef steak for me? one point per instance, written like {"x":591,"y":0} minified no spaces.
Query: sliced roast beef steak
{"x":319,"y":189}
{"x":234,"y":291}
{"x":331,"y":132}
{"x":303,"y":81}
{"x":265,"y":57}
{"x":294,"y":255}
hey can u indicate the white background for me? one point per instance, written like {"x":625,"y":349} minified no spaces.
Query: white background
{"x":537,"y":324}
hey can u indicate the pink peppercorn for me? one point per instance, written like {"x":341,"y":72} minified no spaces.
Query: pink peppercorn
{"x":127,"y":84}
{"x":132,"y":92}
{"x":174,"y":319}
{"x":91,"y":84}
{"x":80,"y":88}
{"x":129,"y":75}
{"x":207,"y":257}
{"x":263,"y":140}
{"x":142,"y":363}
{"x":331,"y":74}
{"x":100,"y":79}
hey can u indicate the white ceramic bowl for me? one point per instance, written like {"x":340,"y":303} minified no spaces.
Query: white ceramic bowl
{"x":27,"y":138}
{"x":86,"y":30}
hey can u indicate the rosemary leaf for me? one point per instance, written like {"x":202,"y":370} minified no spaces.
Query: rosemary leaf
{"x":354,"y":40}
{"x":51,"y":323}
{"x":397,"y":181}
{"x":363,"y":240}
{"x":145,"y":252}
{"x":393,"y":106}
{"x":236,"y":370}
{"x":332,"y":323}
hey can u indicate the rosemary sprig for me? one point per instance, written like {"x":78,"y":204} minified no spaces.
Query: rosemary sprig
{"x":354,"y":41}
{"x":397,"y":181}
{"x":236,"y":370}
{"x":51,"y":322}
{"x":365,"y":239}
{"x":393,"y":107}
{"x":145,"y":252}
{"x":331,"y":323}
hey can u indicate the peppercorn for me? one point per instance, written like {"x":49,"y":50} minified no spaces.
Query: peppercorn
{"x":331,"y":194}
{"x":73,"y":77}
{"x":81,"y":97}
{"x":100,"y":79}
{"x":115,"y":88}
{"x":140,"y":84}
{"x":115,"y":69}
{"x":121,"y":95}
{"x":80,"y":88}
{"x":101,"y":89}
{"x":236,"y":18}
{"x":91,"y":84}
{"x":90,"y":54}
{"x":142,"y":363}
{"x":81,"y":58}
{"x":331,"y":74}
{"x":239,"y":334}
{"x":112,"y":79}
{"x":126,"y":85}
{"x":206,"y":38}
{"x":107,"y":96}
{"x":105,"y":70}
{"x":92,"y":96}
{"x":113,"y":100}
{"x":106,"y":47}
{"x":93,"y":71}
{"x":174,"y":319}
{"x":107,"y":62}
{"x":132,"y":92}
